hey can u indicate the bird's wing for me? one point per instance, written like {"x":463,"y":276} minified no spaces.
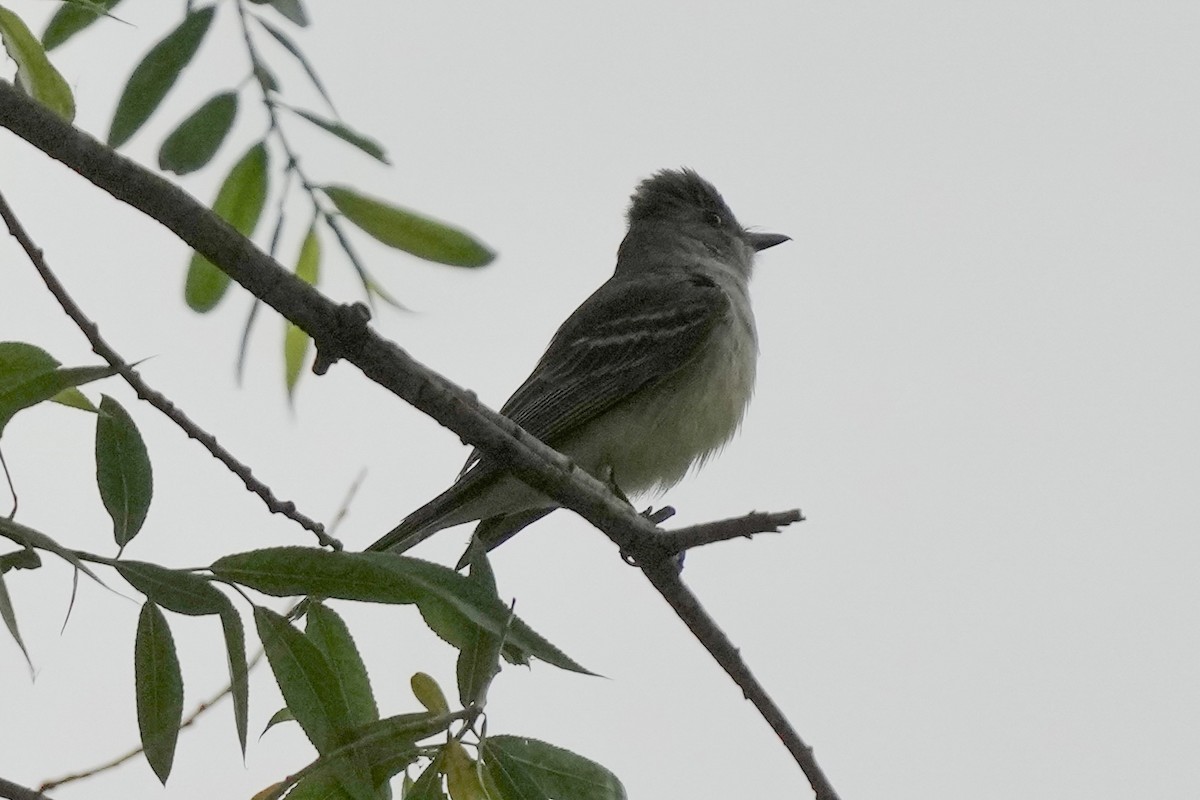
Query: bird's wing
{"x":627,"y":336}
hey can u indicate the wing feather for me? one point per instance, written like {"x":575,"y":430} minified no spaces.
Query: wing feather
{"x":629,"y":335}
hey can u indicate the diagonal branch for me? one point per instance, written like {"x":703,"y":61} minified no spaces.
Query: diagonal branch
{"x":664,"y":576}
{"x":155,"y":398}
{"x":15,"y":791}
{"x":332,"y":328}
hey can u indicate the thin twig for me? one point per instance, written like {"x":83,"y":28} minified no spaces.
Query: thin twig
{"x":155,"y":398}
{"x":681,"y":539}
{"x":12,"y":490}
{"x":665,"y":577}
{"x":137,"y":751}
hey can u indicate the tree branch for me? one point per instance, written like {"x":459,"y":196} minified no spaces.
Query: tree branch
{"x":155,"y":398}
{"x":385,"y":363}
{"x":682,"y":539}
{"x":15,"y":791}
{"x":187,"y":722}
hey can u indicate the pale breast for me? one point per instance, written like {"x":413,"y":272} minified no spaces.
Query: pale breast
{"x":651,"y":440}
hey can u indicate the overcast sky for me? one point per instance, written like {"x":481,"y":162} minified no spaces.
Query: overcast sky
{"x":979,"y":379}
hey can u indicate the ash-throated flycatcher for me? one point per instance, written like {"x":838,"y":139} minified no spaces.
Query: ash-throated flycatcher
{"x":650,"y":376}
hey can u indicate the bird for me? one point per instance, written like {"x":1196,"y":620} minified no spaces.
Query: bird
{"x":649,"y":377}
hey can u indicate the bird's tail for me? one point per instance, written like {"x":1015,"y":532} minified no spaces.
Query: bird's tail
{"x":427,"y":520}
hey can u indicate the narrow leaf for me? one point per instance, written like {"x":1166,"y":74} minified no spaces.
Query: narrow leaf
{"x":346,"y":134}
{"x":528,"y":768}
{"x":384,"y":578}
{"x":479,"y":656}
{"x":320,"y":786}
{"x":239,"y":202}
{"x":296,"y":343}
{"x":28,"y":537}
{"x":196,"y":140}
{"x":159,"y":689}
{"x":282,"y":715}
{"x":35,"y":74}
{"x":73,"y":398}
{"x":307,"y":681}
{"x":477,"y":666}
{"x":30,"y":375}
{"x":295,"y":571}
{"x":157,"y":72}
{"x":72,"y":17}
{"x":389,"y":745}
{"x":123,"y":471}
{"x":10,"y":621}
{"x":287,"y":44}
{"x":428,"y":785}
{"x":265,"y":77}
{"x":179,"y":591}
{"x":329,"y":633}
{"x":239,"y":674}
{"x":292,"y":9}
{"x":408,"y":231}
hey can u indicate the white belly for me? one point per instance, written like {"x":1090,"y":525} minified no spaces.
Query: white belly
{"x":651,"y":440}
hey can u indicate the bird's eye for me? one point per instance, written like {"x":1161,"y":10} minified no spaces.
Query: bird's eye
{"x":714,"y":219}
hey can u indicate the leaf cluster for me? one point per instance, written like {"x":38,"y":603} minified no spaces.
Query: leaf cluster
{"x":197,"y":139}
{"x":319,"y":670}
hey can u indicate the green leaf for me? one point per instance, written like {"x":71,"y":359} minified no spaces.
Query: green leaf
{"x":159,"y":689}
{"x":29,"y":538}
{"x":20,"y":559}
{"x":239,"y":202}
{"x":72,"y":17}
{"x":73,"y":398}
{"x":292,"y":9}
{"x":405,"y":230}
{"x":287,"y":44}
{"x":10,"y":621}
{"x":157,"y":72}
{"x":294,"y":571}
{"x":196,"y":140}
{"x":329,"y":633}
{"x":388,"y":745}
{"x":282,"y":715}
{"x":528,"y":768}
{"x":296,"y":342}
{"x":122,"y":470}
{"x":35,"y":74}
{"x":463,"y":776}
{"x":346,"y":134}
{"x":265,"y":77}
{"x":428,"y":785}
{"x":179,"y":591}
{"x":30,"y":375}
{"x":320,"y":786}
{"x":314,"y":695}
{"x":384,"y":578}
{"x":239,"y":674}
{"x":479,"y":656}
{"x":384,"y":747}
{"x":306,"y":679}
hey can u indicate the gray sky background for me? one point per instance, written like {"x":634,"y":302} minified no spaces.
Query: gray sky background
{"x":978,"y":380}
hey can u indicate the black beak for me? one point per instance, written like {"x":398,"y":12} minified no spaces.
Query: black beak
{"x":761,"y":241}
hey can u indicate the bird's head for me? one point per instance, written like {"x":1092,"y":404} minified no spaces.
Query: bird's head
{"x":677,"y":208}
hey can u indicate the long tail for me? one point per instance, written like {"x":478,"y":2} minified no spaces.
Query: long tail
{"x":426,"y":520}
